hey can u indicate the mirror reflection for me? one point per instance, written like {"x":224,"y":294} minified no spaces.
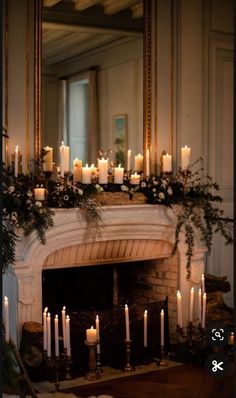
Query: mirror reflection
{"x":92,"y":78}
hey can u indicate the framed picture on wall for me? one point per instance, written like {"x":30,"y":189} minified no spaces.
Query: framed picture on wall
{"x":120,"y":137}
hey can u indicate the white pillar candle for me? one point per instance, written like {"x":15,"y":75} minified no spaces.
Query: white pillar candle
{"x":6,"y":318}
{"x":16,"y":161}
{"x":135,"y":179}
{"x":45,"y":328}
{"x":77,"y":170}
{"x":127,"y":322}
{"x":91,"y":335}
{"x":179,"y":309}
{"x":167,"y":163}
{"x":145,"y":317}
{"x":63,"y":316}
{"x":129,"y":160}
{"x":39,"y":193}
{"x":68,"y":349}
{"x":119,"y":175}
{"x":147,"y":163}
{"x":64,"y":159}
{"x":203,"y":283}
{"x":56,"y":335}
{"x":138,"y":162}
{"x":185,"y":157}
{"x":162,"y":315}
{"x":102,"y":171}
{"x":49,"y":335}
{"x":199,"y":305}
{"x":98,"y":334}
{"x":191,"y":304}
{"x":86,"y":175}
{"x":204,"y":311}
{"x":47,"y":165}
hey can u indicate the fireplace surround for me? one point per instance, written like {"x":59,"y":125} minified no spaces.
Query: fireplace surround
{"x":130,"y":233}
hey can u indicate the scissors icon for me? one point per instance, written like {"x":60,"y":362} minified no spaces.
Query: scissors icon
{"x":217,"y":334}
{"x":217,"y":366}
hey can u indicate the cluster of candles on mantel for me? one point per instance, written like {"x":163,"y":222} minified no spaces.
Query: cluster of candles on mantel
{"x":84,"y":174}
{"x":92,"y":334}
{"x":201,"y":306}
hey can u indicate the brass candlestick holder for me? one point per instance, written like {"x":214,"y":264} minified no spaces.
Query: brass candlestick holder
{"x":128,"y":367}
{"x":191,"y":332}
{"x":92,"y":363}
{"x":56,"y":363}
{"x":162,"y":362}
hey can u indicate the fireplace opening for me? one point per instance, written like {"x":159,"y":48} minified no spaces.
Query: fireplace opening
{"x":103,"y":290}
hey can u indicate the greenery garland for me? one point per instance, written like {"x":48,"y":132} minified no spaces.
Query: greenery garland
{"x":190,"y":194}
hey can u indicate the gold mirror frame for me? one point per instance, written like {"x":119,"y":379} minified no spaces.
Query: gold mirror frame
{"x":147,"y":81}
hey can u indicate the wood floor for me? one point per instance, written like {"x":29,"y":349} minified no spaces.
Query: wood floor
{"x":185,"y":381}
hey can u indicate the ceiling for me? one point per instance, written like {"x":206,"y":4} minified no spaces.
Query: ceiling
{"x":75,"y":27}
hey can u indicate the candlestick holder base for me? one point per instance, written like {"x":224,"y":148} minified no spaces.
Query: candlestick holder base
{"x":162,"y":362}
{"x":128,"y":366}
{"x":92,"y":364}
{"x":191,"y":332}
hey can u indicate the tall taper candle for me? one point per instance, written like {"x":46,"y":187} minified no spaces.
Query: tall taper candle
{"x":68,"y":349}
{"x":204,"y":311}
{"x":63,"y":316}
{"x":45,"y":328}
{"x":203,"y":283}
{"x":199,"y":305}
{"x":47,"y":165}
{"x":49,"y":335}
{"x":6,"y":318}
{"x":129,"y":160}
{"x":147,"y":163}
{"x":98,"y":334}
{"x":191,"y":304}
{"x":162,"y":327}
{"x":16,"y":161}
{"x":145,"y":316}
{"x":127,"y":322}
{"x":56,"y":336}
{"x":179,"y":309}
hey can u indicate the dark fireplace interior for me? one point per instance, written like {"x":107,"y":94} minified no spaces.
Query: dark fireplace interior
{"x":103,"y":290}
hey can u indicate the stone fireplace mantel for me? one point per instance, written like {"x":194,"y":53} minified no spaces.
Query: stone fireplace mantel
{"x":130,"y":233}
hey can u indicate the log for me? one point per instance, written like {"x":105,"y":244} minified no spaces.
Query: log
{"x":31,"y":350}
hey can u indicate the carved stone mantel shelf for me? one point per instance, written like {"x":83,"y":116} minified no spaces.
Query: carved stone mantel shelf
{"x":130,"y":233}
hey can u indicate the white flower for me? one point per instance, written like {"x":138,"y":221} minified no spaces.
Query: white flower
{"x":29,"y":193}
{"x":38,"y":204}
{"x":143,"y":184}
{"x":11,"y":189}
{"x":80,"y":192}
{"x":170,"y":191}
{"x":154,"y":190}
{"x":99,"y":188}
{"x":164,"y":182}
{"x":14,"y":215}
{"x":155,"y":182}
{"x":124,"y":188}
{"x":161,"y":195}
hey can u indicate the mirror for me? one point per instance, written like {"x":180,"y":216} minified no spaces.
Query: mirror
{"x":92,"y":78}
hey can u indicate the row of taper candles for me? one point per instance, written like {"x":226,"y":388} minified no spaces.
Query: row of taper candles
{"x":83,"y":174}
{"x":92,"y":334}
{"x":201,"y":305}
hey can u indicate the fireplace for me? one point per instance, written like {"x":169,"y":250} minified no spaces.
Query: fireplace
{"x":131,"y":233}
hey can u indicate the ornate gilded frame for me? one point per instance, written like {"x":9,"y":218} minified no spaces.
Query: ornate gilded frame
{"x":147,"y":76}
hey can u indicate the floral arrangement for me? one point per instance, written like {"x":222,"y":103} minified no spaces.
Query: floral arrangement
{"x":190,"y":194}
